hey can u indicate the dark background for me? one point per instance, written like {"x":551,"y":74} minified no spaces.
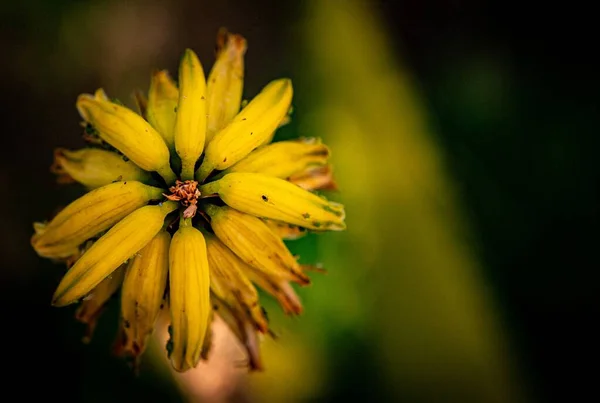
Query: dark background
{"x":511,"y":90}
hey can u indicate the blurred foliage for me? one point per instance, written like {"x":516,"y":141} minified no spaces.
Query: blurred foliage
{"x":404,"y":310}
{"x":417,"y":299}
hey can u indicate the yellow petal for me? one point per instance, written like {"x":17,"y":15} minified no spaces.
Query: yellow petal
{"x":228,"y":282}
{"x":284,"y":159}
{"x":190,"y":123}
{"x":92,"y":306}
{"x":129,"y":133}
{"x":116,"y":246}
{"x":162,"y":105}
{"x":89,"y":215}
{"x":93,"y":167}
{"x":100,"y":95}
{"x":141,"y":102}
{"x":208,"y":337}
{"x":288,"y":232}
{"x":277,"y":199}
{"x":279,"y":288}
{"x":225,"y":83}
{"x":143,"y":291}
{"x":254,"y":243}
{"x":249,"y":129}
{"x":243,"y":329}
{"x":189,"y":295}
{"x":319,"y":178}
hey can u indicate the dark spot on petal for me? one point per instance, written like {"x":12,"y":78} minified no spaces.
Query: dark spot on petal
{"x":225,"y":159}
{"x":243,"y":118}
{"x":316,"y":224}
{"x":251,"y":133}
{"x":306,"y":215}
{"x":202,"y":97}
{"x":126,"y":324}
{"x":333,"y":211}
{"x":265,"y":198}
{"x":216,"y":307}
{"x":321,"y":152}
{"x":169,"y":348}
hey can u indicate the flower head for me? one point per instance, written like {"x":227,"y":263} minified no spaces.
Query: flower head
{"x":188,"y":207}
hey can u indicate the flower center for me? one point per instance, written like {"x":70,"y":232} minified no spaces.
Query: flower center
{"x":186,"y":193}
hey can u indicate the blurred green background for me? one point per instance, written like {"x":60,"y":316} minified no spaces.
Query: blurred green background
{"x":465,"y":140}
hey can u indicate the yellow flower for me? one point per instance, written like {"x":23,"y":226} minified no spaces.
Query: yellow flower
{"x":188,"y":208}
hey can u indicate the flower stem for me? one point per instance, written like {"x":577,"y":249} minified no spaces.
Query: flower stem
{"x":167,"y":174}
{"x":187,"y":170}
{"x":203,"y":172}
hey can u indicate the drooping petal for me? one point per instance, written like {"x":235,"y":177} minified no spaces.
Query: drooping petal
{"x":228,"y":282}
{"x":143,"y":292}
{"x":249,"y":129}
{"x":319,"y":178}
{"x":100,"y":95}
{"x":254,"y":243}
{"x":163,"y":97}
{"x":268,"y":197}
{"x":116,"y":246}
{"x":278,"y":287}
{"x":129,"y":133}
{"x":190,"y":123}
{"x":93,"y":167}
{"x":284,"y":158}
{"x":225,"y":82}
{"x":92,"y":305}
{"x":189,"y":295}
{"x":141,"y":103}
{"x":242,"y":327}
{"x":288,"y":232}
{"x":89,"y":215}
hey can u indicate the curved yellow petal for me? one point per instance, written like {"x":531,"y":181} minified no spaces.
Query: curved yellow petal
{"x":89,"y":215}
{"x":288,"y":232}
{"x":284,"y":158}
{"x":100,"y":95}
{"x":243,"y":329}
{"x":315,"y":178}
{"x":94,"y":167}
{"x":278,"y":287}
{"x":249,"y":129}
{"x":190,"y":123}
{"x":189,"y":294}
{"x":92,"y":305}
{"x":254,"y":243}
{"x":129,"y":133}
{"x":161,"y":111}
{"x":277,"y":199}
{"x":228,"y":282}
{"x":143,"y":292}
{"x":116,"y":246}
{"x":225,"y":83}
